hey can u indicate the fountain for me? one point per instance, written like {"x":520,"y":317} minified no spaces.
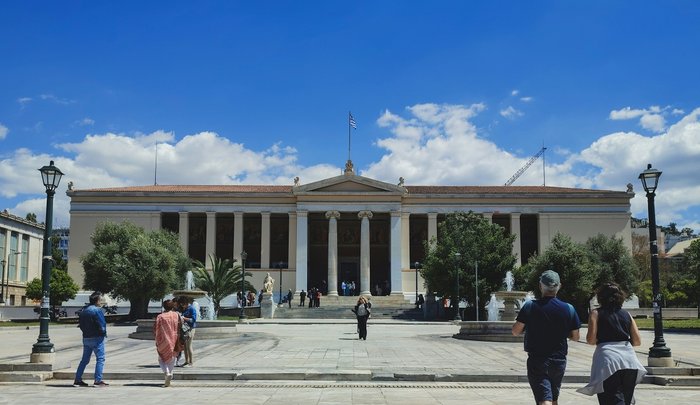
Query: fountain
{"x":494,"y":330}
{"x":207,"y":328}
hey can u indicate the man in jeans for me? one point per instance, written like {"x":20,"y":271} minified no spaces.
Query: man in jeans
{"x":92,"y":323}
{"x":547,"y":323}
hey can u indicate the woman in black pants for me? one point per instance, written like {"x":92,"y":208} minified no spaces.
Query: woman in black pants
{"x":616,"y":370}
{"x":362,"y":312}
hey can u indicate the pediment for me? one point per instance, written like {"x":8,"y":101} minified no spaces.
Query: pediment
{"x":349,"y":184}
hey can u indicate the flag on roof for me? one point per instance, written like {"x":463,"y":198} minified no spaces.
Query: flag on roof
{"x":352,"y":121}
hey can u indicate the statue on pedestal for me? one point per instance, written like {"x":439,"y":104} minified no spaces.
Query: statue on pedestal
{"x":268,"y":283}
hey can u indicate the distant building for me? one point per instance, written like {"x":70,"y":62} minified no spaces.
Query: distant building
{"x":344,"y":228}
{"x":21,"y":245}
{"x":63,"y":242}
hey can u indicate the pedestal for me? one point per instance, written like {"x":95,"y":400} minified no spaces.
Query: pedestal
{"x":46,"y":358}
{"x":267,"y":307}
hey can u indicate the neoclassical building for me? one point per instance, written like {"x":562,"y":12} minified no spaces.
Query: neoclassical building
{"x":344,"y":228}
{"x":21,"y":247}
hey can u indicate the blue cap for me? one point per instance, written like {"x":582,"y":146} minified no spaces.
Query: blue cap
{"x":550,"y":278}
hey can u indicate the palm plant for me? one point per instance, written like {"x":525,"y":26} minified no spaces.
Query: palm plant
{"x":222,"y":280}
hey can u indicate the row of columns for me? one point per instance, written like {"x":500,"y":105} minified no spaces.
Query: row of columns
{"x":298,"y":243}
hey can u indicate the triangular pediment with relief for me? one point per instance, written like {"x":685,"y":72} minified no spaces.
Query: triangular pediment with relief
{"x":349,"y":184}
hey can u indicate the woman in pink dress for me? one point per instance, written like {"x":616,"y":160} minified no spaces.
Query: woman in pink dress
{"x":168,"y":344}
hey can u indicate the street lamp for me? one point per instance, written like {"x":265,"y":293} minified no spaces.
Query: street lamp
{"x":244,"y":256}
{"x":43,"y":350}
{"x":2,"y":283}
{"x":476,"y":288}
{"x":456,"y":305}
{"x":659,"y":354}
{"x":417,"y":266}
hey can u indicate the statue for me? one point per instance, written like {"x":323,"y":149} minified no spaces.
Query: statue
{"x":296,"y":181}
{"x":400,"y":181}
{"x":268,"y":283}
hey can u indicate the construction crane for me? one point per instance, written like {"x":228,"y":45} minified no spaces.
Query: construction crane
{"x":527,"y":165}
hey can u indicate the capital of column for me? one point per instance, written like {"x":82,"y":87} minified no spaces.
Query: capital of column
{"x":365,"y":214}
{"x":332,"y":214}
{"x":395,"y":213}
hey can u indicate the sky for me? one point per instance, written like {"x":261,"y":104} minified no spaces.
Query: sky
{"x":443,"y":93}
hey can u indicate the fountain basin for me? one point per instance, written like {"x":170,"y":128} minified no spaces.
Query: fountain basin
{"x":487,"y":331}
{"x":510,"y":300}
{"x":205,"y":329}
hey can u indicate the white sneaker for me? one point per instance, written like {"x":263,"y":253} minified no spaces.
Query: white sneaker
{"x":168,"y":378}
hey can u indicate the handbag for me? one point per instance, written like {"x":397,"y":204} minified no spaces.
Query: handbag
{"x":184,"y":330}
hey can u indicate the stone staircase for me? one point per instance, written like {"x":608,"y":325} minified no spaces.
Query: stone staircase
{"x":383,"y":307}
{"x":25,"y":372}
{"x":673,"y":376}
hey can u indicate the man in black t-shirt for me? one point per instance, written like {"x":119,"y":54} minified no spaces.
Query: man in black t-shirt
{"x":547,"y":323}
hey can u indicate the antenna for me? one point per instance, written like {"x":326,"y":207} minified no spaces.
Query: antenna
{"x":155,"y":170}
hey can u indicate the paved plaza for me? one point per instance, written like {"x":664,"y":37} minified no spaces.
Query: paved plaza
{"x":320,"y":362}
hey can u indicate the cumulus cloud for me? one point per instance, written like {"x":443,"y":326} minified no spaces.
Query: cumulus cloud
{"x":208,"y":157}
{"x":651,"y":119}
{"x":3,"y":132}
{"x":511,"y":113}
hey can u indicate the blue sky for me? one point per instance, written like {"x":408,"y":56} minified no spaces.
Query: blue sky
{"x":446,"y":92}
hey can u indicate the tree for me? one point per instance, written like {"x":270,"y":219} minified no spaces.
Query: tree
{"x":63,"y":288}
{"x":135,"y":265}
{"x":574,"y":266}
{"x":223,"y":280}
{"x":612,"y":262}
{"x":476,"y":239}
{"x":691,"y":261}
{"x":31,"y":217}
{"x":57,"y":255}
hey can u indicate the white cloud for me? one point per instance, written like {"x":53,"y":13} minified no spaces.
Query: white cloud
{"x":515,"y":92}
{"x":511,"y":113}
{"x":526,"y":99}
{"x":87,"y":121}
{"x":651,"y":119}
{"x":57,"y":100}
{"x":23,"y":101}
{"x":3,"y":132}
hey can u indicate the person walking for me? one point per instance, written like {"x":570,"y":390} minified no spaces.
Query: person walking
{"x":166,"y":332}
{"x":189,"y":316}
{"x":91,"y":321}
{"x":549,"y":322}
{"x":615,"y":370}
{"x":362,"y":312}
{"x":290,"y":295}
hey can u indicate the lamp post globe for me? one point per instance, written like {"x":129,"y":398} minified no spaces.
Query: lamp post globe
{"x":458,"y":256}
{"x":659,"y":354}
{"x":244,"y":298}
{"x":43,"y":349}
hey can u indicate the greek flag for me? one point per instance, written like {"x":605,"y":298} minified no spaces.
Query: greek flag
{"x":352,"y":121}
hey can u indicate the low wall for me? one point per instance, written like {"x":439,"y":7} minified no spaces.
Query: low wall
{"x":668,"y":313}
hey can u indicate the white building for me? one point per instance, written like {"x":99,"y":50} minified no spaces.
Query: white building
{"x":21,"y":245}
{"x":345,"y":228}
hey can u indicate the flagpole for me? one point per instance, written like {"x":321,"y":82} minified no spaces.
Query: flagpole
{"x":155,"y":168}
{"x":349,"y":131}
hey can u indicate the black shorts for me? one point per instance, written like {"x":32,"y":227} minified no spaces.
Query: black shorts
{"x":544,"y":375}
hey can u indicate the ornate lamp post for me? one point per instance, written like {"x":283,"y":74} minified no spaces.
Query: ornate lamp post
{"x":417,"y":266}
{"x":242,"y":316}
{"x":458,"y":256}
{"x":659,"y":354}
{"x":2,"y":283}
{"x":43,"y":350}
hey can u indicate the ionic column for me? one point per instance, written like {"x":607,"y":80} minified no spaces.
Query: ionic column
{"x":405,"y":240}
{"x":210,"y":241}
{"x":332,"y":217}
{"x":237,"y":236}
{"x":432,"y":226}
{"x":302,"y":249}
{"x":184,"y":232}
{"x":544,"y":236}
{"x":265,"y":241}
{"x":395,"y":248}
{"x":365,"y":216}
{"x":515,"y":230}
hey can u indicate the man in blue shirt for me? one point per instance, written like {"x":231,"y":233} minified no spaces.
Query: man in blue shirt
{"x":92,"y":323}
{"x":547,"y":323}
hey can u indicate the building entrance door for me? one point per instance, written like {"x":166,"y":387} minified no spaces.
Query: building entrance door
{"x":349,"y":271}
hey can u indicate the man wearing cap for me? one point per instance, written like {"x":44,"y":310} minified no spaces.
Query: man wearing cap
{"x":547,"y":323}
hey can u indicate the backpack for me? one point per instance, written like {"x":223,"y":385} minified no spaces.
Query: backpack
{"x":362,"y":310}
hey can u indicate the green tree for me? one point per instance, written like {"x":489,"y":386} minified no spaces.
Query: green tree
{"x":691,"y":261}
{"x":612,"y":262}
{"x":476,"y":239}
{"x":573,"y":263}
{"x":31,"y":217}
{"x":57,"y":255}
{"x":63,"y":288}
{"x":223,"y":280}
{"x":135,"y":265}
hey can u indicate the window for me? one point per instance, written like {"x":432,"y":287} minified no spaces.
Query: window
{"x":24,"y":260}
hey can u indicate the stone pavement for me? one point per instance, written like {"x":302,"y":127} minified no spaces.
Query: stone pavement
{"x":321,"y":361}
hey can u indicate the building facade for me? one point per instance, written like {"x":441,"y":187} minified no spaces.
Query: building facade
{"x":21,"y":244}
{"x":345,"y":228}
